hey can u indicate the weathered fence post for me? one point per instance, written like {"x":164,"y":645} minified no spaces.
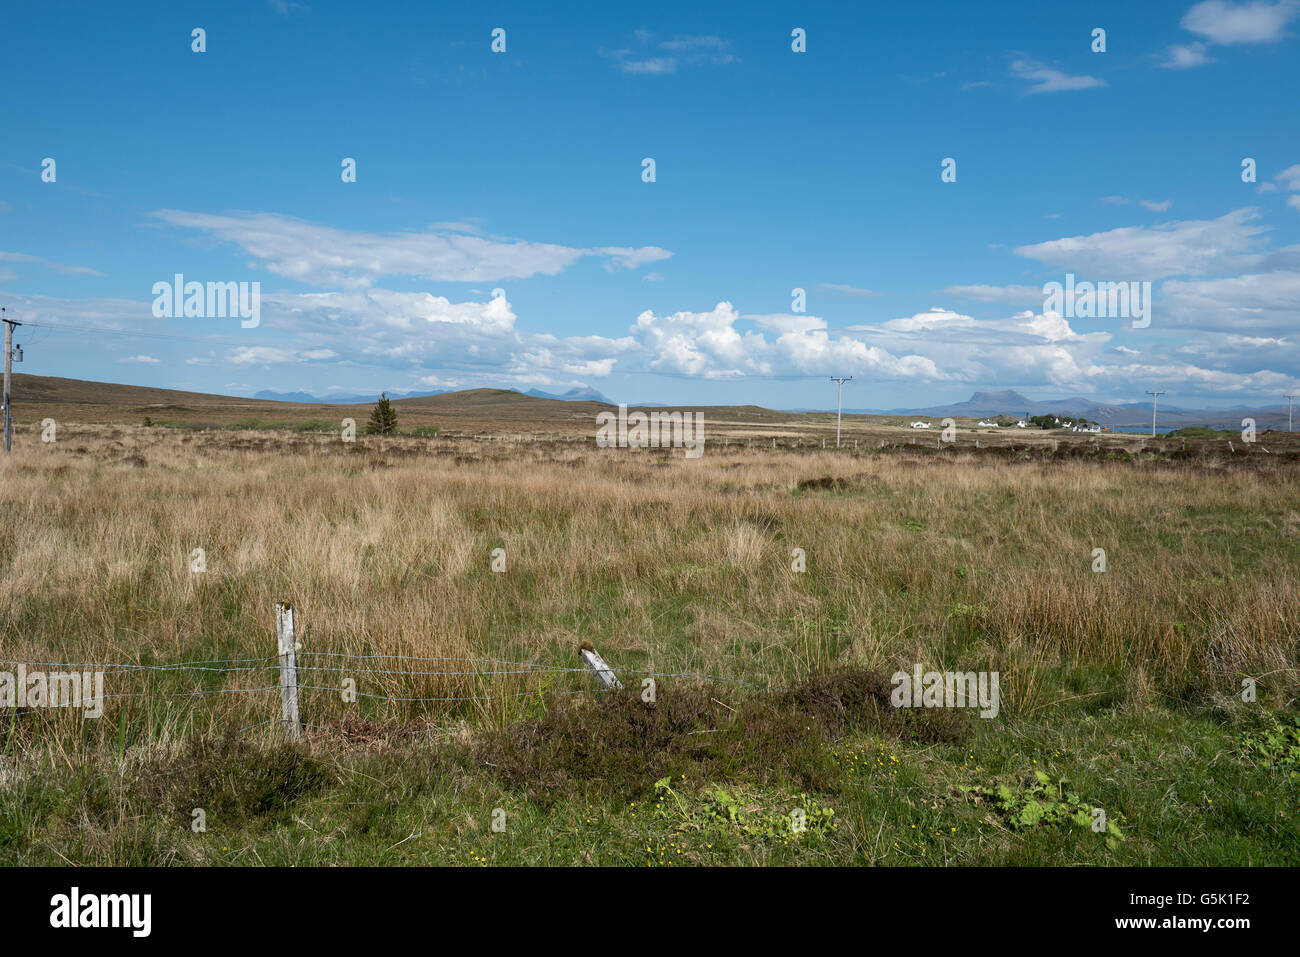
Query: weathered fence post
{"x":597,"y":664}
{"x":288,"y":669}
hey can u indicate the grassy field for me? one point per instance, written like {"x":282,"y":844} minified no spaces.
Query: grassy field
{"x":1120,"y":690}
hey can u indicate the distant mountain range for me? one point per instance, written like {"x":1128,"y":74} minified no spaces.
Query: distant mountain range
{"x":573,"y":395}
{"x":979,"y":405}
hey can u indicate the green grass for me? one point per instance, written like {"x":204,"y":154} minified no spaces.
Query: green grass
{"x":1179,"y":787}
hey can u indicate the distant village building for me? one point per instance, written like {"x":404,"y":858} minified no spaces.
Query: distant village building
{"x":920,"y":425}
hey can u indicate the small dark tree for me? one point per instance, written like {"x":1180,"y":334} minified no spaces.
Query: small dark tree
{"x":383,"y":417}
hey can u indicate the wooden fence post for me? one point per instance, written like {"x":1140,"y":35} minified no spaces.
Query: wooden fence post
{"x":287,"y":651}
{"x":597,"y":664}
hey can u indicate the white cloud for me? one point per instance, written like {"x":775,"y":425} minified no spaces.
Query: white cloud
{"x":783,"y":322}
{"x":270,"y":355}
{"x":1046,"y":80}
{"x":1256,"y":21}
{"x":1186,"y":248}
{"x":1290,"y":178}
{"x":1014,"y":295}
{"x":47,"y":264}
{"x":1255,"y":302}
{"x":695,"y":43}
{"x":1156,"y":207}
{"x":926,"y":321}
{"x":1245,"y":323}
{"x":309,"y":252}
{"x":657,"y":59}
{"x":146,"y":360}
{"x":1186,"y":56}
{"x":652,"y":66}
{"x":846,"y":290}
{"x":625,"y":257}
{"x":710,"y":344}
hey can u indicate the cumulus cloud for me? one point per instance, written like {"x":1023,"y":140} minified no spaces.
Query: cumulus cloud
{"x":1256,"y":21}
{"x":432,"y":341}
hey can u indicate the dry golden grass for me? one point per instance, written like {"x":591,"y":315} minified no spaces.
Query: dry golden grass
{"x":667,"y":564}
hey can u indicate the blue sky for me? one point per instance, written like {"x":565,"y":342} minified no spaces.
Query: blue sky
{"x":775,"y":170}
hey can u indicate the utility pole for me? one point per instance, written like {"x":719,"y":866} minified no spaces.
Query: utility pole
{"x":839,"y":403}
{"x":1155,"y":397}
{"x":9,"y":355}
{"x":1290,"y":396}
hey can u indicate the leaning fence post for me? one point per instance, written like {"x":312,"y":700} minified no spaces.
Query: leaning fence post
{"x":597,"y":664}
{"x":288,"y":669}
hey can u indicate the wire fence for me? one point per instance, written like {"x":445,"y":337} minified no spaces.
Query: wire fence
{"x":334,"y":684}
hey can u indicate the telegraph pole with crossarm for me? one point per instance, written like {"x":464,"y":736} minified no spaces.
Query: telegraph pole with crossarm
{"x":9,"y":356}
{"x":839,"y":403}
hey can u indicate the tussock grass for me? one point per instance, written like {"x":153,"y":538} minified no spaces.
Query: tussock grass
{"x":665,"y":564}
{"x":955,"y":561}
